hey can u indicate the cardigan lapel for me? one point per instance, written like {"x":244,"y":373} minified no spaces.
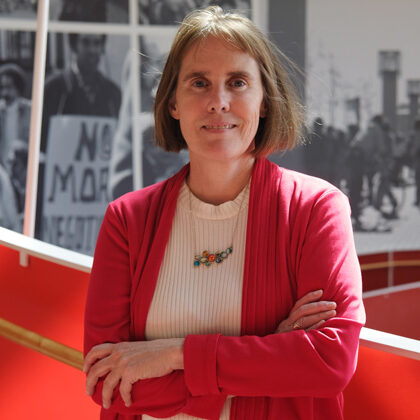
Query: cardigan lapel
{"x":158,"y":225}
{"x":259,"y":296}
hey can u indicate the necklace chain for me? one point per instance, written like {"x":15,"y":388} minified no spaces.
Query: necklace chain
{"x":207,"y":258}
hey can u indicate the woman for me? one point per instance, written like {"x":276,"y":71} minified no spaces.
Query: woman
{"x":205,"y":293}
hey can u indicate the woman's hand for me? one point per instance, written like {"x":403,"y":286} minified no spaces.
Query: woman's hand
{"x":128,"y":362}
{"x":308,"y":313}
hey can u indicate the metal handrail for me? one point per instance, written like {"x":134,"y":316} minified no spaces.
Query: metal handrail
{"x":37,"y":342}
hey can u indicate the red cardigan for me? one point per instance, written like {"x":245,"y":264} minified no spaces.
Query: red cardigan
{"x":299,"y":239}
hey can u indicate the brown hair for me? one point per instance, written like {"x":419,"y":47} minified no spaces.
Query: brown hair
{"x":281,"y":128}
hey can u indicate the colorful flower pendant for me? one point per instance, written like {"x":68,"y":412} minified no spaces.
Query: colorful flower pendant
{"x":207,"y":258}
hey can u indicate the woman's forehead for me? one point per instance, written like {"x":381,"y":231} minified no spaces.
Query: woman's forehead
{"x":212,"y":53}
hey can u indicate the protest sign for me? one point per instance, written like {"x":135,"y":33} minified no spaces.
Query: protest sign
{"x":76,"y":190}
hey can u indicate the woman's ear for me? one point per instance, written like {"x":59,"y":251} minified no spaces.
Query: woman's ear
{"x":173,"y":109}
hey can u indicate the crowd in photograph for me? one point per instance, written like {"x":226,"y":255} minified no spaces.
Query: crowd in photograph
{"x":372,"y":166}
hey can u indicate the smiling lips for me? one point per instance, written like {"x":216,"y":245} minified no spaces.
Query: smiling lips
{"x":221,"y":126}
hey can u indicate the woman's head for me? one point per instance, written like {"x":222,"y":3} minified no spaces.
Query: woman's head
{"x":282,"y":121}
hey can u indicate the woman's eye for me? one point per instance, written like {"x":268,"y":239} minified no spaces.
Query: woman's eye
{"x":238,"y":83}
{"x":199,"y":83}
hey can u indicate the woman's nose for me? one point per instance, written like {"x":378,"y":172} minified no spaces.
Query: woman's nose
{"x":219,"y":101}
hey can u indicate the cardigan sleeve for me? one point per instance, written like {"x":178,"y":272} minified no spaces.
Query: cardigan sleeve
{"x":107,"y":319}
{"x":317,"y":363}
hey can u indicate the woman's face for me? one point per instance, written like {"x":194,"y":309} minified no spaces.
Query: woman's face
{"x":218,"y":100}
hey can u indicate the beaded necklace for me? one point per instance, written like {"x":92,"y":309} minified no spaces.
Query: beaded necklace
{"x":207,"y":258}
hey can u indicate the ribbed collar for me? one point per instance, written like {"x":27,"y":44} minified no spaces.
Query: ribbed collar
{"x":210,"y":211}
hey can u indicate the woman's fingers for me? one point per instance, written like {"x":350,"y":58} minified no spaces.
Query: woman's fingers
{"x":128,"y":362}
{"x":311,"y":309}
{"x":311,"y":321}
{"x":307,"y":315}
{"x":98,"y":370}
{"x":125,"y":391}
{"x":110,"y":382}
{"x":97,"y":352}
{"x":309,"y":297}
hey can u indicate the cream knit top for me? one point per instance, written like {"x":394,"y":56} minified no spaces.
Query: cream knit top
{"x":201,"y":300}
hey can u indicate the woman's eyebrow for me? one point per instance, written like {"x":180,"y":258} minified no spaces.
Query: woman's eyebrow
{"x":194,"y":74}
{"x":238,"y":73}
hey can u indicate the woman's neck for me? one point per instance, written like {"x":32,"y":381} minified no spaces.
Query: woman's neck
{"x":218,"y":182}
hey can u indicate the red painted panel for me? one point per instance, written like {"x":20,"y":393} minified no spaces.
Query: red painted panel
{"x":45,"y":297}
{"x":48,"y":299}
{"x":36,"y":387}
{"x":395,"y":313}
{"x":403,"y":275}
{"x":374,"y":279}
{"x":385,"y":387}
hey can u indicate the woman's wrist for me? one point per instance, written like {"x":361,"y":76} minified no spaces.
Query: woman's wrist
{"x":178,"y":354}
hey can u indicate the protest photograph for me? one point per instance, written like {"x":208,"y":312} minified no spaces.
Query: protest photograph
{"x":157,"y":164}
{"x":22,"y":9}
{"x":153,"y":52}
{"x":16,"y":69}
{"x":363,"y":114}
{"x":172,"y":12}
{"x":100,"y":11}
{"x":82,"y":100}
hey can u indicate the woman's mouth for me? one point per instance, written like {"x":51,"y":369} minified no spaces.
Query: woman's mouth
{"x":223,"y":126}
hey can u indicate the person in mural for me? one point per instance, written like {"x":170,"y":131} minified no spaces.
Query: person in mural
{"x":18,"y":160}
{"x":317,"y":151}
{"x":354,"y":163}
{"x":81,"y":89}
{"x":15,"y":111}
{"x":9,"y":217}
{"x":385,"y":159}
{"x":372,"y":142}
{"x":415,"y":153}
{"x":232,"y":289}
{"x":15,"y":114}
{"x":156,"y":163}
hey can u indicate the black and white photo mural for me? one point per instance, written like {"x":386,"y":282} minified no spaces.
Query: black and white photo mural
{"x":82,"y":100}
{"x":22,"y":9}
{"x":360,"y":86}
{"x":172,"y":12}
{"x":16,"y":69}
{"x":363,"y":88}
